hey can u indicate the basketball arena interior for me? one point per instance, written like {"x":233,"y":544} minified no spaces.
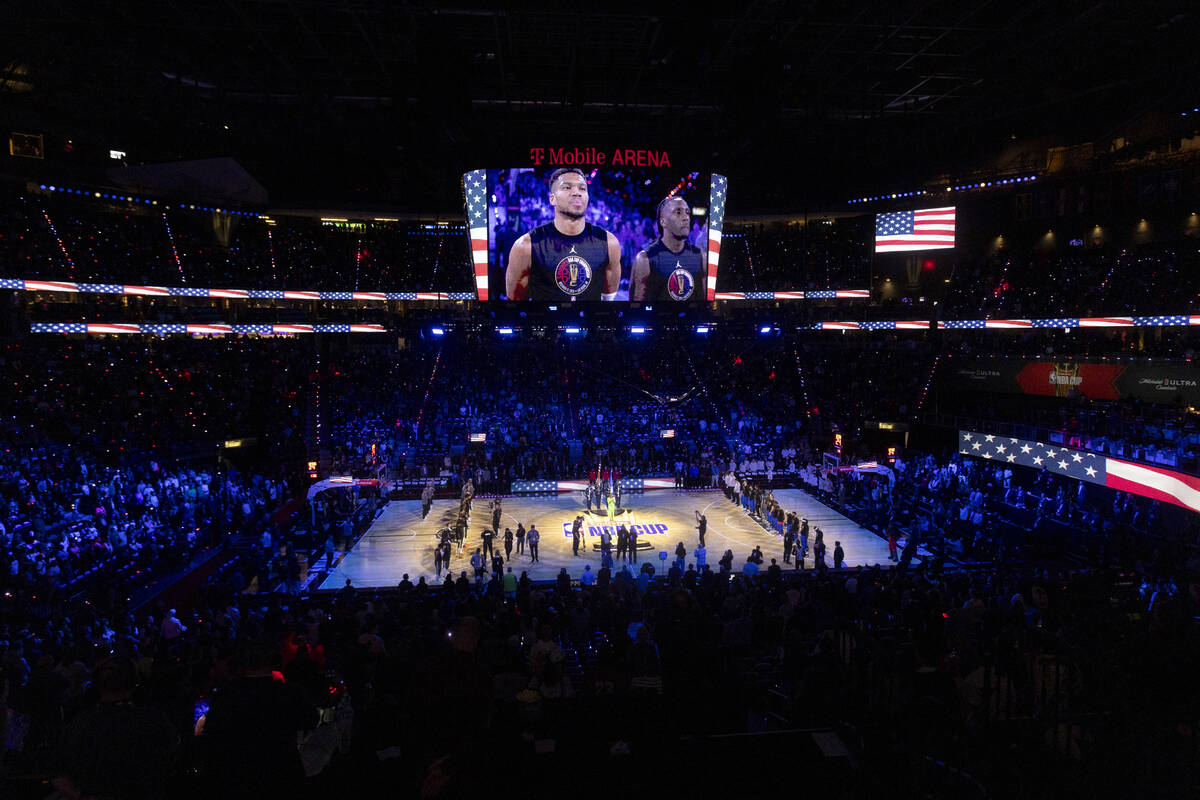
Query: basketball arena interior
{"x":413,"y":400}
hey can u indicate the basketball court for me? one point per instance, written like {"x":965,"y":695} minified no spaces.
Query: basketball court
{"x":401,"y":542}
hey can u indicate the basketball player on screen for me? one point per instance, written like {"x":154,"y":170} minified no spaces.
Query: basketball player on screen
{"x":672,"y":268}
{"x":569,"y":258}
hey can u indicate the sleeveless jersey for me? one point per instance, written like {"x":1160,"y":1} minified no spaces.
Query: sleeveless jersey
{"x":675,"y":277}
{"x":567,"y":267}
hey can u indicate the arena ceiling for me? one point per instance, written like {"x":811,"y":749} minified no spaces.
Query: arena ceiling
{"x":382,"y":101}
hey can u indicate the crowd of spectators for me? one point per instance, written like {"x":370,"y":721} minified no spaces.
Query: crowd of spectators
{"x":406,"y":686}
{"x":170,"y":397}
{"x":86,"y":240}
{"x":67,"y":515}
{"x":974,"y":511}
{"x":551,"y":410}
{"x":404,"y":673}
{"x":1147,"y":280}
{"x":555,"y":410}
{"x":1157,"y":433}
{"x":1071,"y":637}
{"x":819,"y":254}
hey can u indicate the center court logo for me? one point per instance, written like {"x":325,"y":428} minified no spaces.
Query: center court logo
{"x":681,"y":284}
{"x":642,"y":529}
{"x":573,"y":275}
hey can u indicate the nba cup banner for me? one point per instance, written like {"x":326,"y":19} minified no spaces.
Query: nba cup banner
{"x":640,"y":528}
{"x":1159,"y":383}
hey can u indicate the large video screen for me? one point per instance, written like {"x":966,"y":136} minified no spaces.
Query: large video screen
{"x":562,"y":235}
{"x":922,"y":229}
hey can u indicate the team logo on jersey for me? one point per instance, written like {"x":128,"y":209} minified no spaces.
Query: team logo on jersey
{"x":573,"y":274}
{"x":681,"y":284}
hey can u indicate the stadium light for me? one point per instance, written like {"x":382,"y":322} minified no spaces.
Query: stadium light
{"x":765,"y":329}
{"x":572,"y":330}
{"x":505,"y":331}
{"x":701,"y":329}
{"x":637,"y":331}
{"x":437,"y":331}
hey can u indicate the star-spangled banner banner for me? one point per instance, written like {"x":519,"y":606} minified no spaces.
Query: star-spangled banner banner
{"x":718,"y":189}
{"x":543,"y":485}
{"x":475,"y":193}
{"x":73,"y":287}
{"x":207,"y":328}
{"x":1150,"y":321}
{"x":1083,"y":465}
{"x":478,"y":245}
{"x":817,"y":294}
{"x":1164,"y":320}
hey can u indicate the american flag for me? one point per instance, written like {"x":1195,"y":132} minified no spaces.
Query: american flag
{"x":760,"y":295}
{"x":822,"y":294}
{"x":923,"y":229}
{"x":1106,"y":322}
{"x":113,"y":327}
{"x":196,"y":291}
{"x":267,"y":294}
{"x":100,"y":288}
{"x":12,"y":283}
{"x":1124,"y":476}
{"x":717,"y":190}
{"x":155,"y":291}
{"x":479,"y":438}
{"x":164,"y":328}
{"x":51,"y":286}
{"x":1175,"y":319}
{"x":1057,"y":322}
{"x":337,"y":295}
{"x":58,"y":327}
{"x":728,"y":296}
{"x":475,"y":190}
{"x":535,"y":486}
{"x":963,"y":324}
